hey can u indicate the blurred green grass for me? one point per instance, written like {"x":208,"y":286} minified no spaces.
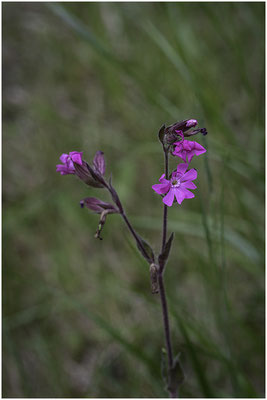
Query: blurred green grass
{"x":78,"y":316}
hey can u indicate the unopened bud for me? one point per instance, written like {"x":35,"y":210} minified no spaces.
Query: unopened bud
{"x":191,"y":123}
{"x":183,"y":125}
{"x":99,"y":162}
{"x":84,"y":174}
{"x":99,"y":207}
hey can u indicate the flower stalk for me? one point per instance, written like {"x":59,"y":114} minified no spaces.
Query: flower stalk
{"x":165,"y":208}
{"x":172,"y":187}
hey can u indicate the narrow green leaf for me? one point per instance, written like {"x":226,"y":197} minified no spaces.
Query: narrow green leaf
{"x":177,"y":376}
{"x":148,"y":253}
{"x":166,"y":251}
{"x":198,"y":368}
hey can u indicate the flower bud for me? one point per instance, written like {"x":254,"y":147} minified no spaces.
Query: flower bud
{"x":73,"y":163}
{"x":191,"y":123}
{"x":174,"y":132}
{"x":82,"y":171}
{"x":99,"y":162}
{"x":183,"y":125}
{"x":97,"y":205}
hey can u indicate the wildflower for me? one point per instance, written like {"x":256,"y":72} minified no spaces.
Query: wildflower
{"x":67,"y":166}
{"x":74,"y":164}
{"x":187,"y":149}
{"x":178,"y":185}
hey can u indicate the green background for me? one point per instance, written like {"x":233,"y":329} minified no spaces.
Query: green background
{"x":79,"y":319}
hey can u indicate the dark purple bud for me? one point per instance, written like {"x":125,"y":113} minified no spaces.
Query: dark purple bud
{"x":99,"y":162}
{"x":98,"y":206}
{"x":204,"y":131}
{"x":84,"y":174}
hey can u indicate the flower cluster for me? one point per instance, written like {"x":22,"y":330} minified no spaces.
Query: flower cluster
{"x":92,"y":175}
{"x":173,"y":140}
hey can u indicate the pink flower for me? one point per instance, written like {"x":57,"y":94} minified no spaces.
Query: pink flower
{"x":187,"y":149}
{"x":177,"y":186}
{"x":67,"y":166}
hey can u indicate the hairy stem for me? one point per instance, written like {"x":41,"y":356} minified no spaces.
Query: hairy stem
{"x":165,"y":209}
{"x":164,"y":306}
{"x":165,"y":319}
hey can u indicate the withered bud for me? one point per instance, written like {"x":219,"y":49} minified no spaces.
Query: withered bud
{"x":99,"y":207}
{"x":153,"y":269}
{"x":101,"y":224}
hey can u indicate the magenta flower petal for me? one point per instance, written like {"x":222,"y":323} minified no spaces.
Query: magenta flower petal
{"x":181,"y":168}
{"x":64,"y":170}
{"x":188,"y":194}
{"x":63,"y":158}
{"x":161,"y":188}
{"x":76,"y":157}
{"x":187,"y":145}
{"x":179,"y":194}
{"x":190,"y":155}
{"x":186,"y":149}
{"x":162,"y":179}
{"x":199,"y":149}
{"x":168,"y":199}
{"x":191,"y":175}
{"x":188,"y":185}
